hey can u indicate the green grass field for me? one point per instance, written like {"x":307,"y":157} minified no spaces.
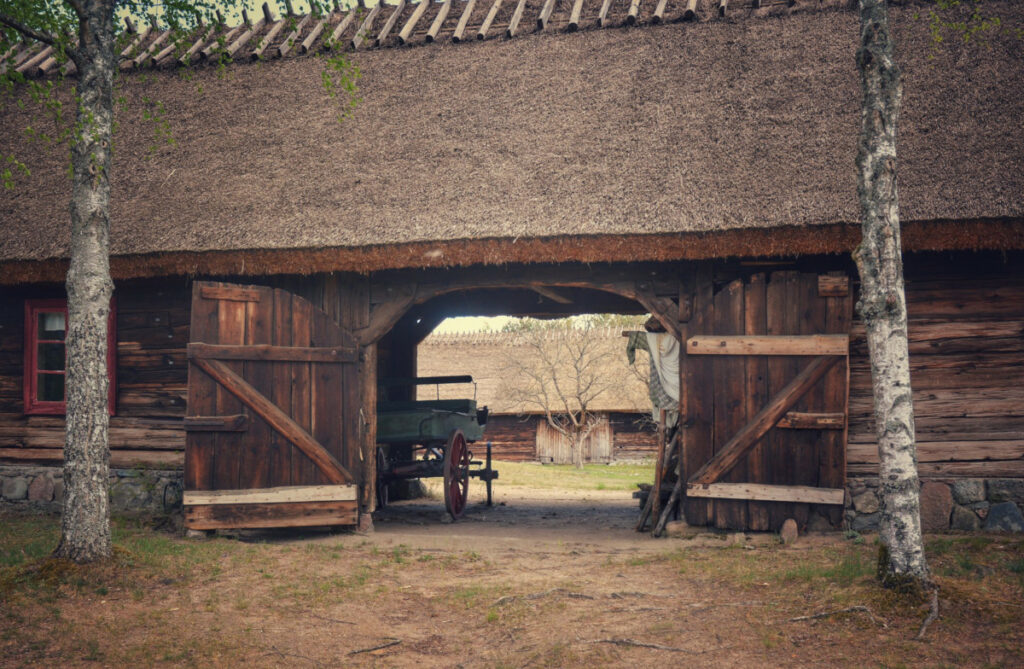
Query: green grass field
{"x":567,"y":477}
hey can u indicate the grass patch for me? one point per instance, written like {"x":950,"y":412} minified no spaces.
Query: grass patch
{"x":563,"y":477}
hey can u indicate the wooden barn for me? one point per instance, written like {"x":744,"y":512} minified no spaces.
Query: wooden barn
{"x":518,"y":429}
{"x":690,"y":160}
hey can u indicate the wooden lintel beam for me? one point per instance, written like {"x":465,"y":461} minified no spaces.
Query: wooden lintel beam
{"x":233,"y":293}
{"x":766,"y":418}
{"x":551,"y":294}
{"x":762,"y":492}
{"x":279,"y":420}
{"x":798,"y":420}
{"x":768,"y":345}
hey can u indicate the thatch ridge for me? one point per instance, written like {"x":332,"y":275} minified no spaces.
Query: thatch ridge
{"x":676,"y":141}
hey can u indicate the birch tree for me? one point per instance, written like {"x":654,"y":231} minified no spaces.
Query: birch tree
{"x":883,"y":306}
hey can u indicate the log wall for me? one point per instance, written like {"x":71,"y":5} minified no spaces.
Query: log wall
{"x":514,"y":438}
{"x":152,"y":378}
{"x":966,"y":333}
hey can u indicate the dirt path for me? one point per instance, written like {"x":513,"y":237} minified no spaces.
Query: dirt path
{"x":540,"y":580}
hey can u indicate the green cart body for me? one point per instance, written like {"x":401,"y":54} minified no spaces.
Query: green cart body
{"x":437,"y":433}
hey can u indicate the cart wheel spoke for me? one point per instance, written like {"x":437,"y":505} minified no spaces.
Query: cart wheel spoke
{"x":456,"y":474}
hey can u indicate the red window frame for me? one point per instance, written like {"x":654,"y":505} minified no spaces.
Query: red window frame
{"x":34,"y":406}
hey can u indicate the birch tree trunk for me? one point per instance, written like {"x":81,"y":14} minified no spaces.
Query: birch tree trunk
{"x":85,"y":523}
{"x":883,"y":308}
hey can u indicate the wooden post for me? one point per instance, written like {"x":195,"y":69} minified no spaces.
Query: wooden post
{"x":659,"y":466}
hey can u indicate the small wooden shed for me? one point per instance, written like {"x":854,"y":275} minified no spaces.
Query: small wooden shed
{"x":701,"y":171}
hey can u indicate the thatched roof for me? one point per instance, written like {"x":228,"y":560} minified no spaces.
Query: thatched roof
{"x":731,"y":136}
{"x":492,"y":358}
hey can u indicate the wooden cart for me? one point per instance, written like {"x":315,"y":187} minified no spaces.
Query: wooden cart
{"x":437,"y":434}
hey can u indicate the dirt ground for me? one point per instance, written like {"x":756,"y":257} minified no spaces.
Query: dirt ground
{"x":544,"y":578}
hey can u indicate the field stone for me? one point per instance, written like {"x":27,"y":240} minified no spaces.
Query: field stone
{"x":41,"y":489}
{"x":819,"y":523}
{"x":981,"y":508}
{"x":866,"y":502}
{"x":965,"y":520}
{"x":865,"y":522}
{"x":968,"y":491}
{"x":788,"y":533}
{"x":15,"y":488}
{"x":1004,"y":517}
{"x":1006,"y":490}
{"x":936,"y":507}
{"x":58,"y":490}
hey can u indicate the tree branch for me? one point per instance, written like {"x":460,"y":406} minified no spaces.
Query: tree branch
{"x":45,"y":38}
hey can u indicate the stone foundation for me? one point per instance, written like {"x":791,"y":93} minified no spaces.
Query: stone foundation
{"x":968,"y":505}
{"x":131,"y":490}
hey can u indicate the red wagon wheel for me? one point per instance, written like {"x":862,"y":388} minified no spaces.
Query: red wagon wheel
{"x":456,"y":474}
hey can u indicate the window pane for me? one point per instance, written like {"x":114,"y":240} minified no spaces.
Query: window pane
{"x":51,"y":325}
{"x":50,"y":388}
{"x":51,"y":357}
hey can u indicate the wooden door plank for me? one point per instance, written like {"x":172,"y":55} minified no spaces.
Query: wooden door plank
{"x":765,"y":419}
{"x":699,"y":382}
{"x":280,"y":421}
{"x":202,"y":398}
{"x":759,"y":461}
{"x":730,"y":409}
{"x":808,"y":344}
{"x":768,"y":493}
{"x":834,"y":284}
{"x":316,"y":493}
{"x":279,"y":460}
{"x":230,"y":330}
{"x":255,"y":446}
{"x":328,"y":405}
{"x":268,"y":352}
{"x":303,"y":471}
{"x":807,"y":445}
{"x":832,"y":463}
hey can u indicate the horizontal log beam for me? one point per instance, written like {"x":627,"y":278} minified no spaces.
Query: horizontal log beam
{"x":761,"y":492}
{"x":120,"y":458}
{"x":268,"y":353}
{"x":304,"y":493}
{"x":768,"y":345}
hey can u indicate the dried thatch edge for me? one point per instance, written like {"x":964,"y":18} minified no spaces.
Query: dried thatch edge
{"x":947,"y":235}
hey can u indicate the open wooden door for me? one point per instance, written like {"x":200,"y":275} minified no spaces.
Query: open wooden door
{"x":270,"y":439}
{"x":765,"y":381}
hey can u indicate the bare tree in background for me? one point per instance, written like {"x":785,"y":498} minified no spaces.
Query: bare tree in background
{"x":561,"y":370}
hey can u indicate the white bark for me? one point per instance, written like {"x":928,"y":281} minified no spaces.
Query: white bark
{"x":882,"y":304}
{"x":85,"y":523}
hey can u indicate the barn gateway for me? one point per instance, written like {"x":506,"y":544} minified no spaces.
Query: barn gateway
{"x":691,"y":160}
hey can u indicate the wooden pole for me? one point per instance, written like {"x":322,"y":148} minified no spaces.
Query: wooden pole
{"x":659,"y":467}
